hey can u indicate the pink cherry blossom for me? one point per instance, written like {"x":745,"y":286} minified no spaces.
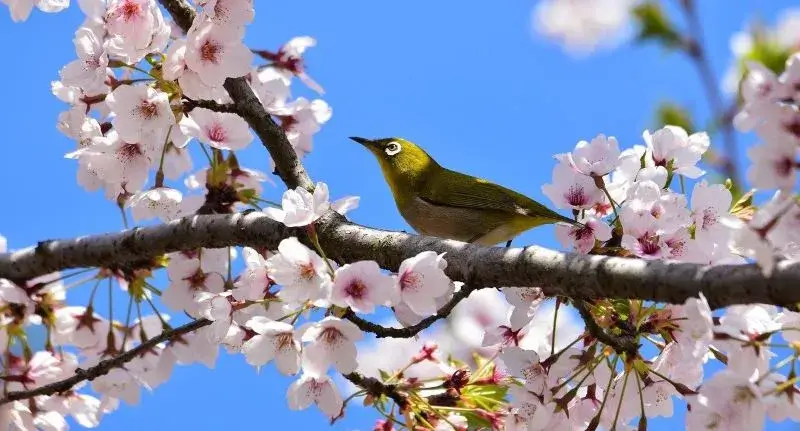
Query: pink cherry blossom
{"x":221,"y":130}
{"x":525,"y":364}
{"x":274,"y":340}
{"x":254,"y":282}
{"x":161,"y":202}
{"x":300,"y":271}
{"x":361,"y":286}
{"x":671,"y":145}
{"x":228,"y":13}
{"x":216,"y":53}
{"x":135,"y":28}
{"x":90,"y":70}
{"x":596,"y":158}
{"x":421,"y":280}
{"x":289,"y":60}
{"x":140,"y":110}
{"x":186,"y":279}
{"x":217,"y":308}
{"x":727,"y":401}
{"x":331,"y":341}
{"x":773,"y":162}
{"x":572,"y":189}
{"x":315,"y":389}
{"x":710,"y":204}
{"x":583,"y":237}
{"x":301,"y":119}
{"x":301,"y":208}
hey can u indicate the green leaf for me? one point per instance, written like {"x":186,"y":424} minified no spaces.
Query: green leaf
{"x":670,"y":113}
{"x":655,"y":26}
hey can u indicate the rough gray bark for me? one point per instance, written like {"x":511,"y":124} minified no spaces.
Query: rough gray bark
{"x":568,"y":274}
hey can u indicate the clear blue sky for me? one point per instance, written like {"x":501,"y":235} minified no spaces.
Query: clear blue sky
{"x":470,"y":83}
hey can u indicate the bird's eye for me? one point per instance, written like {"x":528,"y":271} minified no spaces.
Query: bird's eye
{"x":393,"y":148}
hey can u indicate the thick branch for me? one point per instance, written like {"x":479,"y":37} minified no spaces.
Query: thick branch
{"x":566,"y":274}
{"x":106,"y":365}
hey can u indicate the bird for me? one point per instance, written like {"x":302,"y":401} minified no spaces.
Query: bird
{"x":440,"y":202}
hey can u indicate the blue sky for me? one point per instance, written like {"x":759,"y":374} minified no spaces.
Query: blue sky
{"x":469,"y":83}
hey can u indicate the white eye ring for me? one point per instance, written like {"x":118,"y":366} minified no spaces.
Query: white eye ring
{"x":393,"y":148}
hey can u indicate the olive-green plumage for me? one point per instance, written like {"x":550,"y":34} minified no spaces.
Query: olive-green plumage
{"x":447,"y":204}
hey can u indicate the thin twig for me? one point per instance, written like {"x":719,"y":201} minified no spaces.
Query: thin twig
{"x":189,"y":104}
{"x":105,"y":365}
{"x":376,"y":388}
{"x":410,"y":331}
{"x":695,"y":49}
{"x":621,"y":344}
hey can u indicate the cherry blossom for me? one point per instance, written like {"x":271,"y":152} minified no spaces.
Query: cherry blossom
{"x":361,"y":286}
{"x":672,"y":147}
{"x":89,"y":71}
{"x":289,"y":60}
{"x":421,"y":280}
{"x":228,"y":13}
{"x":301,"y":208}
{"x":315,"y":389}
{"x":218,"y":309}
{"x":216,"y":53}
{"x":710,"y":204}
{"x":571,"y":189}
{"x":221,"y":130}
{"x":300,"y":271}
{"x":160,"y":202}
{"x":595,"y":158}
{"x":331,"y":341}
{"x":274,"y":340}
{"x":135,"y":28}
{"x":583,"y":237}
{"x":727,"y":400}
{"x":140,"y":109}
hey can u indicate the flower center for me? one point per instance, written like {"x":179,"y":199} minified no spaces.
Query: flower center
{"x":147,"y":109}
{"x":209,"y":52}
{"x":217,"y":133}
{"x":410,"y":280}
{"x":355,"y":289}
{"x":575,"y":196}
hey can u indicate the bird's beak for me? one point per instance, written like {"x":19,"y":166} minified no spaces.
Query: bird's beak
{"x":363,"y":141}
{"x":369,"y":144}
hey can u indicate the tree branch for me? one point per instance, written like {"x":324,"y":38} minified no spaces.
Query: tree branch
{"x":105,"y":365}
{"x":189,"y":104}
{"x":247,"y":105}
{"x":696,"y":51}
{"x":376,"y":388}
{"x":566,"y":274}
{"x":620,"y":344}
{"x":410,"y":331}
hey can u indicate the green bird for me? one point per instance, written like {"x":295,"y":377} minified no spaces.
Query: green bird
{"x":440,"y":202}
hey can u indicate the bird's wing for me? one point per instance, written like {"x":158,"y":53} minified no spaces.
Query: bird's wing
{"x":459,"y":190}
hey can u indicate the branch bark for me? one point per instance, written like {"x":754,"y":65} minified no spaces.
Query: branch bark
{"x":104,"y":366}
{"x":567,"y":274}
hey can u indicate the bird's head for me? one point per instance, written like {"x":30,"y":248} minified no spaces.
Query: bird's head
{"x":400,"y":159}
